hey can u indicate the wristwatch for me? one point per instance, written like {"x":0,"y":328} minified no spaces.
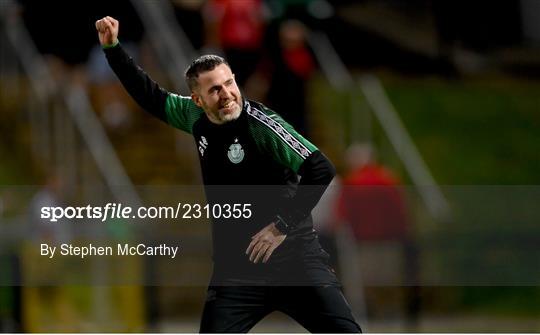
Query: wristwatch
{"x":281,"y":225}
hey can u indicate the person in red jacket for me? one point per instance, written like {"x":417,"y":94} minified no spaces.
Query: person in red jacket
{"x":237,"y":28}
{"x":371,"y":200}
{"x":373,"y":204}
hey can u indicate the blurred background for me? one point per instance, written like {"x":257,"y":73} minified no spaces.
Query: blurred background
{"x":430,"y":111}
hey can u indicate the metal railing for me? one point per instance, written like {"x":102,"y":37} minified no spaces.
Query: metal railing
{"x":341,"y":79}
{"x":377,"y":99}
{"x":49,"y":92}
{"x":168,"y":39}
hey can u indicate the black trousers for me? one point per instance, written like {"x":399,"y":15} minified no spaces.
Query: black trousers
{"x":236,"y":309}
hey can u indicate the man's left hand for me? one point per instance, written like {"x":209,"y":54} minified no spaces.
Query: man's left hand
{"x":264,"y":243}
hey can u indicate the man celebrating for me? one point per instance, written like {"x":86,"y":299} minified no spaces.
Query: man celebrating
{"x":271,"y":260}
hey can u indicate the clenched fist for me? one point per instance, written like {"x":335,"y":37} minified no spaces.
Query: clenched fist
{"x":107,"y":29}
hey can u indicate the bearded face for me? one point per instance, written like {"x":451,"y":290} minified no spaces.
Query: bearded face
{"x":218,"y":95}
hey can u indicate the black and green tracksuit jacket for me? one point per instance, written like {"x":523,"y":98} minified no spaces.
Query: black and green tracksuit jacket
{"x":259,"y":159}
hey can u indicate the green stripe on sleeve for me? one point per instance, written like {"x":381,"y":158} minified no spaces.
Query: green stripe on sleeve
{"x":182,"y":112}
{"x":274,"y":135}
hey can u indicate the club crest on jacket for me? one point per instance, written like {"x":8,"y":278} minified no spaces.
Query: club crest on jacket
{"x":236,"y":152}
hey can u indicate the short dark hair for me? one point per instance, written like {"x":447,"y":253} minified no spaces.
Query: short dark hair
{"x":202,"y":64}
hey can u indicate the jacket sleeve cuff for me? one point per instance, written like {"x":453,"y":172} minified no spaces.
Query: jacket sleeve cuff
{"x":110,"y":46}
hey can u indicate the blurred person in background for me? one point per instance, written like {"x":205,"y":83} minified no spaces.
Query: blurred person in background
{"x":237,"y":28}
{"x":289,"y":68}
{"x":274,"y":262}
{"x":54,"y":302}
{"x":373,"y":205}
{"x":371,"y":202}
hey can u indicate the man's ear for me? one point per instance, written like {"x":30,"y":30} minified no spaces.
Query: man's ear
{"x":196,"y":99}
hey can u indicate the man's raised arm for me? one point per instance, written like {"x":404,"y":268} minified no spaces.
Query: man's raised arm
{"x":146,"y":92}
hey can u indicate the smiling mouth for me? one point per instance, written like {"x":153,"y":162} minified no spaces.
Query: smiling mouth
{"x":228,"y":105}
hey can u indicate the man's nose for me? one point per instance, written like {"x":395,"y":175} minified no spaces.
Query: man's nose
{"x":225,"y":93}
